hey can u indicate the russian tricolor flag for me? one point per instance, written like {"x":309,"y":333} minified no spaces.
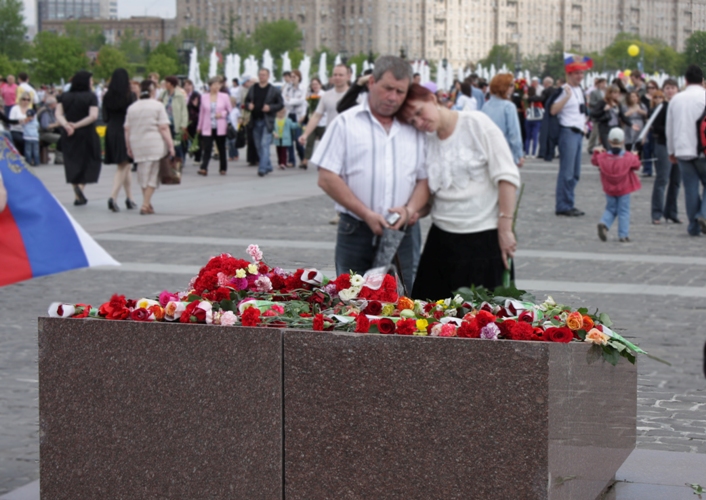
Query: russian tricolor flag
{"x":572,"y":63}
{"x":37,"y":235}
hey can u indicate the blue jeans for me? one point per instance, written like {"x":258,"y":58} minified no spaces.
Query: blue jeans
{"x":618,"y":206}
{"x":356,"y":246}
{"x":693,"y":173}
{"x":532,"y":143}
{"x":569,"y":168}
{"x":667,"y":177}
{"x":232,"y":150}
{"x":263,"y":141}
{"x":295,"y":142}
{"x":648,"y":154}
{"x":32,"y":152}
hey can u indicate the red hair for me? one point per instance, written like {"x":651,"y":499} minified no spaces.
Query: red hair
{"x":500,"y":84}
{"x":416,"y":92}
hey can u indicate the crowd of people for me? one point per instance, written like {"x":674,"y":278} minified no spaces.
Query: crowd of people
{"x":388,"y":144}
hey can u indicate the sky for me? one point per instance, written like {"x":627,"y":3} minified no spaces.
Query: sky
{"x":126,"y":8}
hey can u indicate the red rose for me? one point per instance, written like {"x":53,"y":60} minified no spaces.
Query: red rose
{"x":186,"y":315}
{"x":487,"y":308}
{"x":469,"y":329}
{"x":374,"y":308}
{"x":317,"y":298}
{"x":562,"y":334}
{"x":526,"y":316}
{"x":200,"y":315}
{"x":406,"y":326}
{"x":318,"y":322}
{"x":386,"y":326}
{"x":250,"y":317}
{"x":428,"y":307}
{"x":140,"y":314}
{"x":484,"y":317}
{"x":362,"y":324}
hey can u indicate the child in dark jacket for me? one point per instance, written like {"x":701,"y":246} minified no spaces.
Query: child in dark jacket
{"x":618,"y":177}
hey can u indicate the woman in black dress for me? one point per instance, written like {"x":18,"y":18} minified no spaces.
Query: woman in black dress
{"x":76,"y":112}
{"x":115,"y":103}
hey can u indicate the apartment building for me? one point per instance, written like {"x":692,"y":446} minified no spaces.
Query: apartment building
{"x":150,"y":30}
{"x":64,"y":10}
{"x":457,"y":30}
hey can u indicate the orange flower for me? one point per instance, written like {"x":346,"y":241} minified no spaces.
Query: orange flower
{"x":574,"y":321}
{"x":157,"y":311}
{"x":405,"y":303}
{"x":597,"y":337}
{"x":587,"y":323}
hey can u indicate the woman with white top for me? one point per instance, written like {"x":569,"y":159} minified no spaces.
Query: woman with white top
{"x":295,"y":102}
{"x":473,"y":179}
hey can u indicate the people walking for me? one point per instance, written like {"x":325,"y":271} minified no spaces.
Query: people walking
{"x":503,"y":113}
{"x":570,"y":108}
{"x":263,"y":101}
{"x":596,"y":95}
{"x":295,"y":103}
{"x":617,"y":167}
{"x":213,"y":125}
{"x":684,"y":110}
{"x":473,"y":178}
{"x":533,"y":122}
{"x":193,"y":107}
{"x":148,"y":140}
{"x":608,"y":113}
{"x":283,"y":136}
{"x":648,"y":152}
{"x":174,"y":100}
{"x":667,"y":174}
{"x":115,"y":105}
{"x":76,"y":112}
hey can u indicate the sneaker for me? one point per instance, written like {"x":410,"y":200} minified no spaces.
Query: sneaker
{"x":625,"y":240}
{"x":603,"y":232}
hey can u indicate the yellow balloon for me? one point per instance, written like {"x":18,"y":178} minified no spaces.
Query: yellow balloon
{"x":633,"y":50}
{"x":627,"y":72}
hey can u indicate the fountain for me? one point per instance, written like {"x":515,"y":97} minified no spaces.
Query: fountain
{"x":337,"y":60}
{"x":354,"y":72}
{"x":323,"y":73}
{"x":305,"y":69}
{"x":251,"y":67}
{"x":286,"y":63}
{"x":213,"y":64}
{"x":195,"y":69}
{"x":268,"y":63}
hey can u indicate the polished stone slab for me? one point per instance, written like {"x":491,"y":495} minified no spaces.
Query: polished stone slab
{"x":369,"y":416}
{"x":134,"y":410}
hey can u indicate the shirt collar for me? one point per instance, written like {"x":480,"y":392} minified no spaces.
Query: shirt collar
{"x":365,"y":107}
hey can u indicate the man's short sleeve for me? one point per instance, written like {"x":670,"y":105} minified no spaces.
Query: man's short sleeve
{"x":320,"y":105}
{"x":331,"y":152}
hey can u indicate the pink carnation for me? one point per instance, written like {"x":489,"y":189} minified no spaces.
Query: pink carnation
{"x":263,"y":284}
{"x":165,"y":297}
{"x":255,"y":253}
{"x":448,"y":330}
{"x":228,"y":318}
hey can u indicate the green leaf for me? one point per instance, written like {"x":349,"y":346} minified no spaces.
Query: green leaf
{"x":611,"y":355}
{"x":193,"y":297}
{"x":555,"y":322}
{"x":617,"y":345}
{"x":605,"y":319}
{"x":583,"y":310}
{"x":628,"y":355}
{"x":594,"y":354}
{"x":581,"y":334}
{"x":228,"y":305}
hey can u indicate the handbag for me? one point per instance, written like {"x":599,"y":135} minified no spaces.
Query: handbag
{"x":230,"y":132}
{"x":534,"y":113}
{"x":241,"y":138}
{"x":170,"y":170}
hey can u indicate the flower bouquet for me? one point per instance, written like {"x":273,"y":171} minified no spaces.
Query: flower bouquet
{"x":229,"y":291}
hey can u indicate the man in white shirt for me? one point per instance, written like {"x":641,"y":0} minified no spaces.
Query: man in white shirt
{"x":570,"y":109}
{"x":684,"y":110}
{"x":373,"y":166}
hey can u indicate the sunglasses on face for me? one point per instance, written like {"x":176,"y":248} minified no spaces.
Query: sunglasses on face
{"x":24,"y":99}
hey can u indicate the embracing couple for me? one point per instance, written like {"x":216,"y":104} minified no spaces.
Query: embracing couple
{"x":398,"y":151}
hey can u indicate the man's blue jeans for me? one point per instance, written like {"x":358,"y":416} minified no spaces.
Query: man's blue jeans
{"x":648,"y":154}
{"x":356,"y":246}
{"x":618,"y":206}
{"x":667,"y":179}
{"x":569,"y":168}
{"x":263,"y":141}
{"x":693,"y":173}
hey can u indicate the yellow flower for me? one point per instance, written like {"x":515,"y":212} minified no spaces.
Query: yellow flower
{"x":146,"y":303}
{"x":240,"y":273}
{"x":388,"y":309}
{"x":252,"y":269}
{"x":574,"y":321}
{"x":421,"y":334}
{"x":442,"y":303}
{"x":422,"y":325}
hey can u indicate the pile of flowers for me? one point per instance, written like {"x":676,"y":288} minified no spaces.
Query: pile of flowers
{"x":229,"y":291}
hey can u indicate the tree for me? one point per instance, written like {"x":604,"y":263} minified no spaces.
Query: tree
{"x":163,"y":65}
{"x":12,"y":29}
{"x":245,"y":46}
{"x":196,"y":35}
{"x":534,"y":64}
{"x":554,"y":63}
{"x":277,"y":36}
{"x":499,"y":55}
{"x":56,"y":57}
{"x":90,"y":36}
{"x":109,"y":59}
{"x":131,"y":47}
{"x":695,"y":49}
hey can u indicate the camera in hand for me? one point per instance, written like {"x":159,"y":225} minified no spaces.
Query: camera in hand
{"x":392,"y":218}
{"x":30,"y":113}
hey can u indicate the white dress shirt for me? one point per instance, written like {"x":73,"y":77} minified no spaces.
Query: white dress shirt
{"x":380,"y":168}
{"x":684,"y":109}
{"x":571,"y":115}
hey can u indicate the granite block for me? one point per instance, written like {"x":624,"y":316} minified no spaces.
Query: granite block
{"x":370,"y":416}
{"x":134,"y":410}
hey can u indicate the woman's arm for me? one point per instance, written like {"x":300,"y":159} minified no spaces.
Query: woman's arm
{"x":167,"y":136}
{"x":514,"y":136}
{"x":92,"y":117}
{"x":62,"y":120}
{"x":506,"y":238}
{"x":127,"y":141}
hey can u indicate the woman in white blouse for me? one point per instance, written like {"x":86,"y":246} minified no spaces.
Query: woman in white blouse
{"x":473,"y":180}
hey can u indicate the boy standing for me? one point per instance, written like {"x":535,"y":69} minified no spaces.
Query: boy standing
{"x":618,"y":177}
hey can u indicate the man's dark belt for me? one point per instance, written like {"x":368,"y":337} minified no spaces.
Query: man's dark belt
{"x":575,"y":130}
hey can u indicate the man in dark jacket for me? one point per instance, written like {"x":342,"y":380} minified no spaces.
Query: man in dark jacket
{"x":264,"y":101}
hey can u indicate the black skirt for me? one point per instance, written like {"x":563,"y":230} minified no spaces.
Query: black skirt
{"x":115,"y":148}
{"x":451,"y":261}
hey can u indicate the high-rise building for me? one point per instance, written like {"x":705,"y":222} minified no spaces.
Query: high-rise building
{"x":458,"y":30}
{"x":53,"y":10}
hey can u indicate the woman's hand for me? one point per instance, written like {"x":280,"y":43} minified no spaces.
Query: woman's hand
{"x":507,"y":241}
{"x":69,"y":127}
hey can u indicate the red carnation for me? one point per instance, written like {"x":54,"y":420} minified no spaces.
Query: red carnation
{"x":250,"y":317}
{"x":469,"y":329}
{"x":406,"y":326}
{"x":484,"y":317}
{"x":386,"y":293}
{"x":521,"y":331}
{"x":562,"y":334}
{"x":220,"y":293}
{"x":362,"y":324}
{"x":343,"y":282}
{"x":140,"y":314}
{"x":115,"y":308}
{"x":319,"y":322}
{"x":505,"y":327}
{"x":386,"y":326}
{"x":186,"y":315}
{"x":374,"y":308}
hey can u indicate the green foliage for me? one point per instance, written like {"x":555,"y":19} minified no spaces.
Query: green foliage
{"x":654,"y":55}
{"x":330,"y":57}
{"x":499,"y":55}
{"x":695,"y":49}
{"x":166,"y":49}
{"x":554,"y":62}
{"x":56,"y":57}
{"x":245,"y":46}
{"x":90,"y":36}
{"x":197,"y":35}
{"x":12,"y":29}
{"x":8,"y":67}
{"x":296,"y":56}
{"x":534,"y":64}
{"x":131,"y":47}
{"x":277,"y":36}
{"x":109,"y":59}
{"x":164,"y":65}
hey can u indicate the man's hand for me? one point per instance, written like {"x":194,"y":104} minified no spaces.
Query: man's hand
{"x":376,"y":222}
{"x":672,"y":159}
{"x":266,"y":108}
{"x":521,"y":163}
{"x":404,"y":217}
{"x":251,"y":106}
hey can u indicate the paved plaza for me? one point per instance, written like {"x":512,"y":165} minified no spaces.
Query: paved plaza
{"x":654,"y":288}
